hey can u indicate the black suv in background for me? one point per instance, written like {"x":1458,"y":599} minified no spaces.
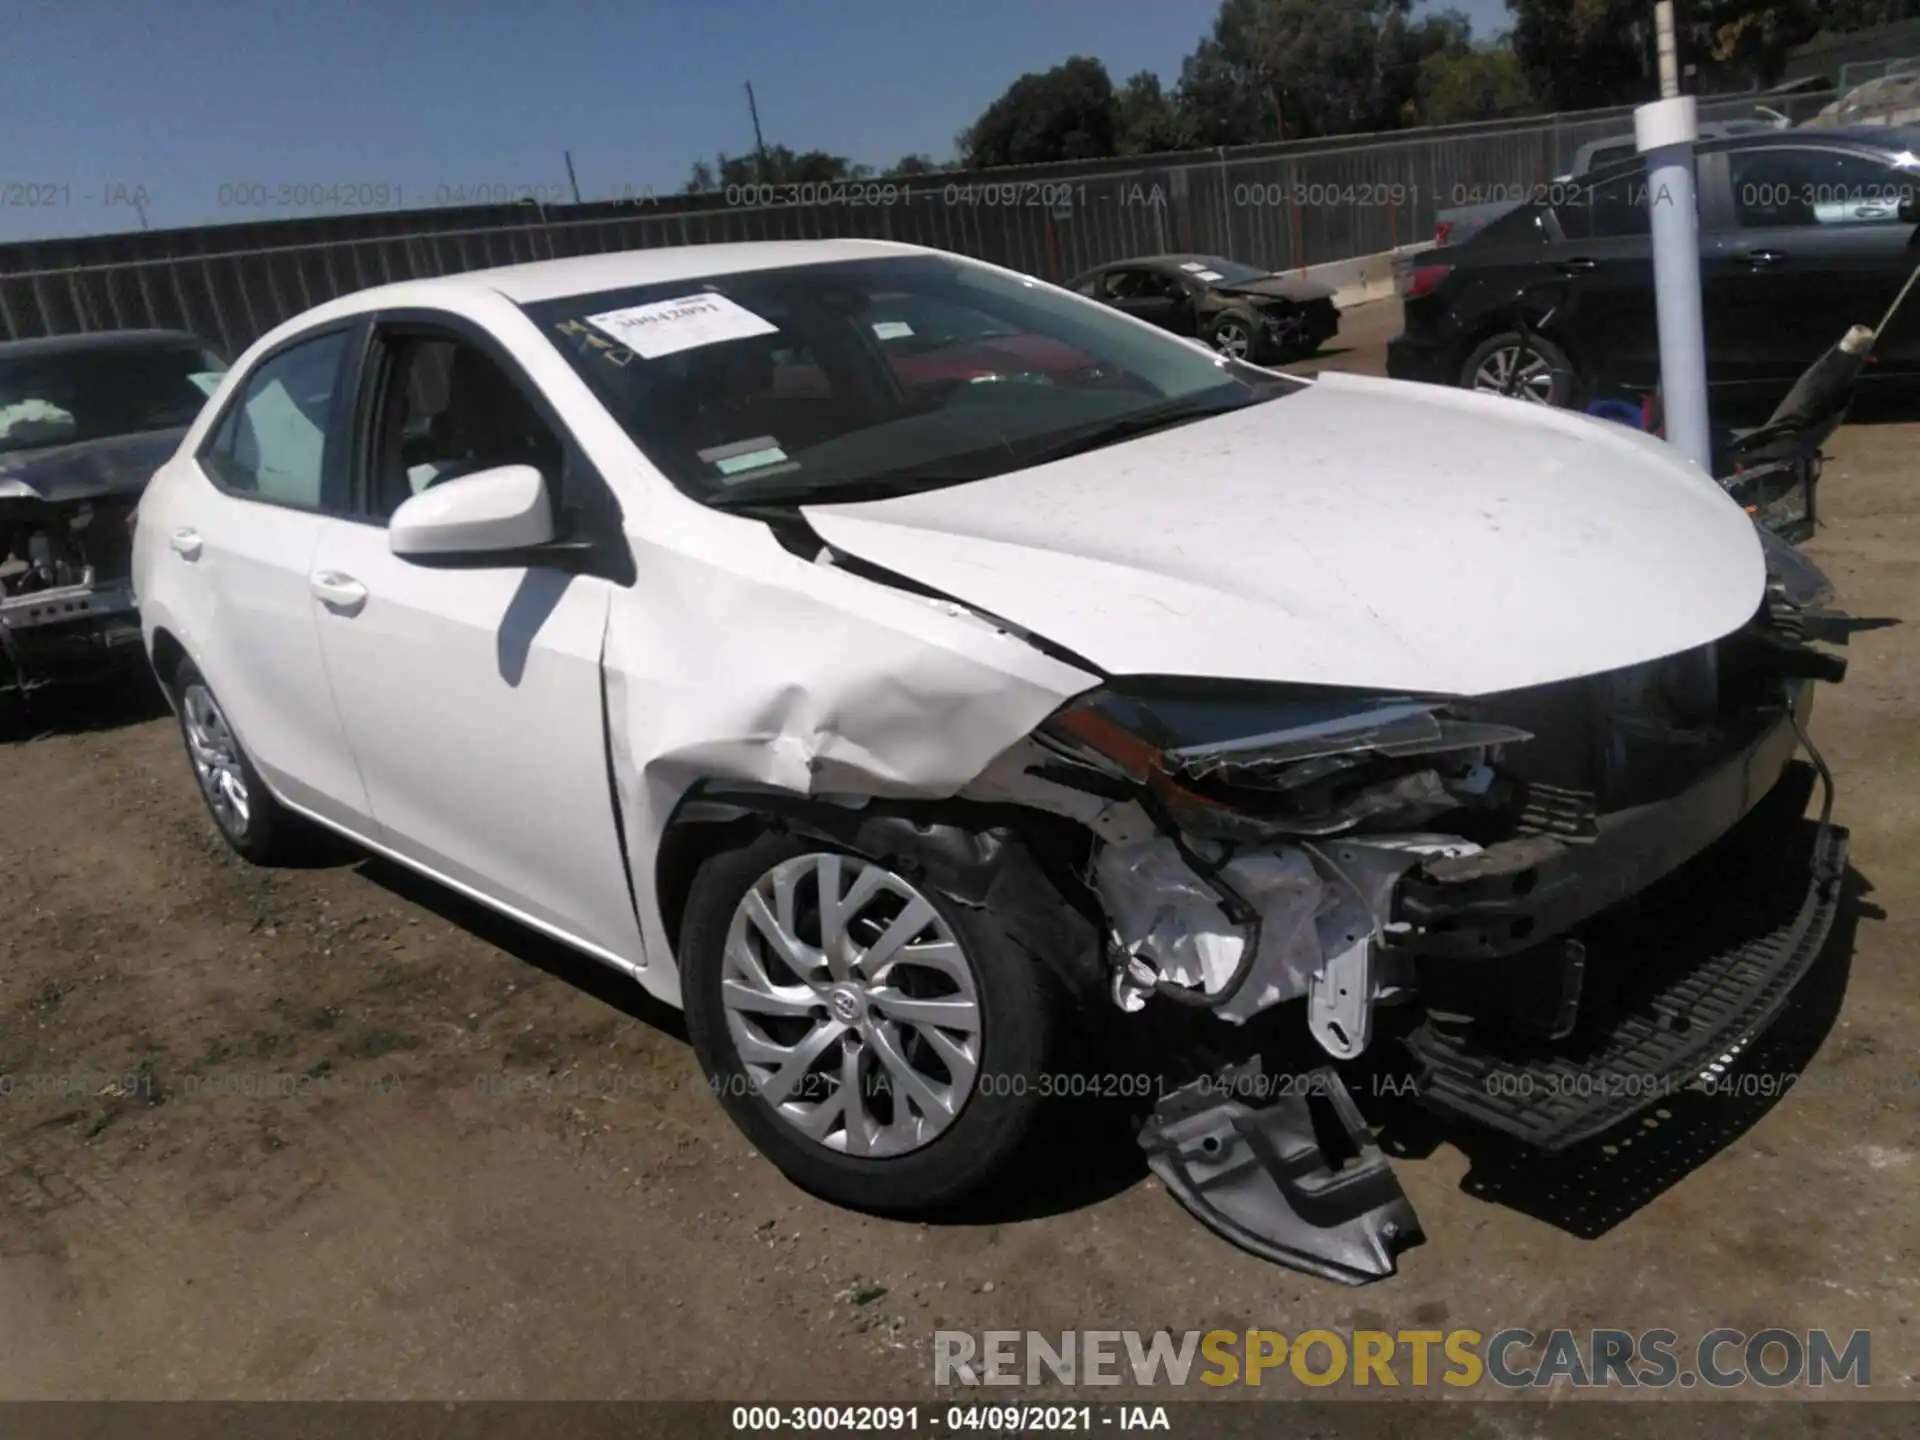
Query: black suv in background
{"x":1802,"y":233}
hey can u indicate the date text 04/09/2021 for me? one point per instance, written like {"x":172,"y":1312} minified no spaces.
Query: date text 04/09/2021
{"x":960,"y":1419}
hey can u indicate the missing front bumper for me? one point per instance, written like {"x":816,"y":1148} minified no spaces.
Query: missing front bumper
{"x":1512,"y":896}
{"x":1707,"y":963}
{"x":67,"y":633}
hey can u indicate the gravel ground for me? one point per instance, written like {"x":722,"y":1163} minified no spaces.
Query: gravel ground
{"x":332,"y":1132}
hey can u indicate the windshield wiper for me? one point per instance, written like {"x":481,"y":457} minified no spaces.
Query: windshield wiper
{"x":789,"y":491}
{"x":1127,"y":427}
{"x":797,"y":491}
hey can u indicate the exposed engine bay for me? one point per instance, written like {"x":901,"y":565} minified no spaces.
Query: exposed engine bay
{"x":85,"y":420}
{"x":1260,"y":843}
{"x":66,"y":596}
{"x":1259,"y":846}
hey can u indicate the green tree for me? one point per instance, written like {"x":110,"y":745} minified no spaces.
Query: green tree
{"x":1146,"y":119}
{"x":782,"y":166}
{"x":1746,"y":41}
{"x":1066,"y":113}
{"x":1582,"y":54}
{"x":911,"y":165}
{"x":1286,"y":69}
{"x":1457,"y":86}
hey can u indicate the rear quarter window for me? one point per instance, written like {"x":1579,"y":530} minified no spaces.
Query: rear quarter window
{"x":1614,"y":206}
{"x":1523,"y":225}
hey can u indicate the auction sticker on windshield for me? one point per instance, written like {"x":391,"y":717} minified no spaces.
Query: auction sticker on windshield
{"x":666,"y":327}
{"x":749,"y":455}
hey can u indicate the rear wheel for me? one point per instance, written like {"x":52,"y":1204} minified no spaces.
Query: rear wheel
{"x":256,"y":825}
{"x":885,"y":1048}
{"x":1526,"y":367}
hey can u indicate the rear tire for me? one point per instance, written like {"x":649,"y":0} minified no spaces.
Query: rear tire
{"x":939,"y":1112}
{"x":249,"y":819}
{"x":1547,"y":373}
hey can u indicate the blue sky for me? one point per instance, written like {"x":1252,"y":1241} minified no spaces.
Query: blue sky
{"x":103,"y":97}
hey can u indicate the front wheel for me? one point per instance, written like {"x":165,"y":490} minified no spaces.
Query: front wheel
{"x":884,"y":1047}
{"x":1236,"y":334}
{"x":1526,"y":367}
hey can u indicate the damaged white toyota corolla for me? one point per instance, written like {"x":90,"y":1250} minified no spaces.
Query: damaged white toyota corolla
{"x":882,"y":654}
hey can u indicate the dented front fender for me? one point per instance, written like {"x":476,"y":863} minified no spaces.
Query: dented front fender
{"x":734,"y":659}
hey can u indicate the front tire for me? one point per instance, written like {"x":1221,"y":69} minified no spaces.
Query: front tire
{"x":249,"y":819}
{"x":885,"y":1048}
{"x":1238,"y":335}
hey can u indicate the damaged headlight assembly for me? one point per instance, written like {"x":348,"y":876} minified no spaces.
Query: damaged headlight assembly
{"x":1279,"y":824}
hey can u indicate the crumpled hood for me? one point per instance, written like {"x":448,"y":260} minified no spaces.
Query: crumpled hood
{"x":1361,"y":532}
{"x":88,"y":469}
{"x":1280,"y":287}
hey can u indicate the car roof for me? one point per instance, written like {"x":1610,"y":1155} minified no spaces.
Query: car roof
{"x":1750,"y":135}
{"x":540,"y":280}
{"x":97,"y":340}
{"x":1888,"y":139}
{"x":1881,"y":137}
{"x":1149,"y":262}
{"x":1709,"y":130}
{"x":617,"y":270}
{"x":1891,"y":138}
{"x":1173,"y":259}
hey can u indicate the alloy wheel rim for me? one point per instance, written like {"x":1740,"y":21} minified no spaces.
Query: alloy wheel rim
{"x":852,"y":1006}
{"x":216,"y":760}
{"x":1534,"y":382}
{"x":1231,"y":339}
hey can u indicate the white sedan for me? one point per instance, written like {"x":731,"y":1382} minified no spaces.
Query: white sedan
{"x":884,"y":655}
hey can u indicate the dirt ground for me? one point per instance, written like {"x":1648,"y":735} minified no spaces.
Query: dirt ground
{"x":331,"y":1132}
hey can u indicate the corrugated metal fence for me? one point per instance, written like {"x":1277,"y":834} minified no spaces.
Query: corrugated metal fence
{"x":1282,"y":206}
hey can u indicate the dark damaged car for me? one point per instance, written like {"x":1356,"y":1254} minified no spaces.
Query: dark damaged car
{"x":1240,"y":310}
{"x":904,"y":724}
{"x":85,"y":420}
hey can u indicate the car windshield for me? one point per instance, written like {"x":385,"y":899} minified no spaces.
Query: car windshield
{"x":64,"y":396}
{"x":873,"y":377}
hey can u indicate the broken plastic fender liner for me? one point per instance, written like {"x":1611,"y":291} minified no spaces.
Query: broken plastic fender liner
{"x":1258,"y":1176}
{"x":732,"y":659}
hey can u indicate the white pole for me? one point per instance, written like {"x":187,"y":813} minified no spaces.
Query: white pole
{"x":1669,"y":54}
{"x":1664,"y":132}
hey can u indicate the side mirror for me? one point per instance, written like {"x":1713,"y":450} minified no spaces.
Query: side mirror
{"x":489,"y":517}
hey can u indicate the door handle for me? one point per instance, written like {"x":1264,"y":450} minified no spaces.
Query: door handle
{"x":1580,"y":265}
{"x":339,"y":592}
{"x":1761,"y":258}
{"x":185,"y":543}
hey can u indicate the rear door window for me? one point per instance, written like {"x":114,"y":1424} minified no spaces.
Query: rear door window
{"x":1616,"y":206}
{"x":1607,"y":155}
